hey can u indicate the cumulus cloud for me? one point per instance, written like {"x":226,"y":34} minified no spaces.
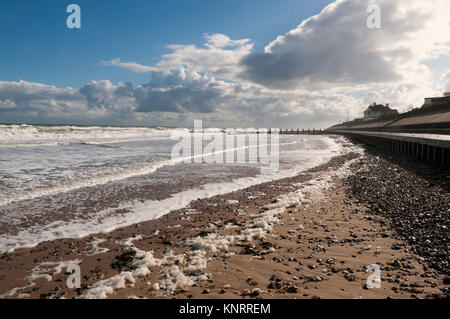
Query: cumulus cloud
{"x":25,"y":96}
{"x":105,"y":95}
{"x":219,"y":56}
{"x":7,"y":104}
{"x":336,"y":48}
{"x":132,"y":66}
{"x":261,"y":106}
{"x":177,"y":98}
{"x":95,"y":100}
{"x":402,"y":96}
{"x":218,"y":40}
{"x":186,"y":91}
{"x":178,"y":91}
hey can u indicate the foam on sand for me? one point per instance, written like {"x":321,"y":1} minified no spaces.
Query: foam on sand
{"x":102,"y":289}
{"x":45,"y":270}
{"x":94,"y":247}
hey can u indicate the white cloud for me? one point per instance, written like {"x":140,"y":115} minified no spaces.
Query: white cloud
{"x":95,"y":100}
{"x":402,"y":96}
{"x":7,"y":104}
{"x":178,"y":91}
{"x":30,"y":95}
{"x":220,"y":56}
{"x":218,"y":41}
{"x":335,"y":47}
{"x":241,"y":104}
{"x":132,"y":66}
{"x":105,"y":95}
{"x":177,"y":98}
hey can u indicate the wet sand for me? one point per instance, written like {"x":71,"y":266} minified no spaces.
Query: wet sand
{"x":300,"y":237}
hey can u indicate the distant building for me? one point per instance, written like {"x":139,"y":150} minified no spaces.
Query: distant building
{"x":376,"y":111}
{"x":429,"y":101}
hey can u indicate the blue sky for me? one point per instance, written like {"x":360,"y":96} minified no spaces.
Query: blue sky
{"x":42,"y":49}
{"x":252,"y":63}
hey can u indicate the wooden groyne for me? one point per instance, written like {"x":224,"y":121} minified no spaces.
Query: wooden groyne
{"x":431,"y":148}
{"x":303,"y":131}
{"x":434,"y":149}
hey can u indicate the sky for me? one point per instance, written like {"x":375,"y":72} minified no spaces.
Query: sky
{"x":253,"y":63}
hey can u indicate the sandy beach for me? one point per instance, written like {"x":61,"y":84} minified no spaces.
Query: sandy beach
{"x":309,"y":236}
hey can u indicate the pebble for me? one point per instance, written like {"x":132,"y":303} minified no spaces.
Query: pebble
{"x":415,"y":197}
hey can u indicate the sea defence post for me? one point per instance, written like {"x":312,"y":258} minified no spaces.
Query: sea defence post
{"x":431,"y":148}
{"x":303,"y":131}
{"x":423,"y":133}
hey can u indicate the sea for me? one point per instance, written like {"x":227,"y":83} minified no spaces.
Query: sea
{"x":73,"y":181}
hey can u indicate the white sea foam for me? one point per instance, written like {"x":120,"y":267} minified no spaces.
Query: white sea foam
{"x":94,"y":247}
{"x":45,"y":270}
{"x":102,"y":289}
{"x":112,"y":175}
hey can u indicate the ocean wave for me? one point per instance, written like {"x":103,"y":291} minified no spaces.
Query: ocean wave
{"x":110,"y":175}
{"x":38,"y":135}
